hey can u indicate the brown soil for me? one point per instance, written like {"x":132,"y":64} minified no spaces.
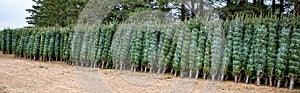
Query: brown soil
{"x":26,"y":76}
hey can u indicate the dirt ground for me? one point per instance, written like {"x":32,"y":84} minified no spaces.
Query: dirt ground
{"x":18,"y":75}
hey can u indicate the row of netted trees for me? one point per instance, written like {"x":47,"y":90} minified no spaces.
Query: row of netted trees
{"x":47,"y":44}
{"x":261,"y":49}
{"x":82,"y":46}
{"x":266,"y":48}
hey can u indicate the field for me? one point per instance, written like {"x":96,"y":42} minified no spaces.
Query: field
{"x":26,"y":76}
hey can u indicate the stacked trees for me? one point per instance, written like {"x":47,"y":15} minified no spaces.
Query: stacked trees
{"x":76,"y":46}
{"x":171,"y":55}
{"x":170,"y":45}
{"x":66,"y":46}
{"x":260,"y":49}
{"x":271,"y":49}
{"x":160,"y":52}
{"x":283,"y":50}
{"x":91,"y":55}
{"x":61,"y":44}
{"x":228,"y":49}
{"x":153,"y":48}
{"x":57,"y":46}
{"x":178,"y":52}
{"x":45,"y":47}
{"x":146,"y":51}
{"x":237,"y":49}
{"x":83,"y":47}
{"x":207,"y":57}
{"x":135,"y":50}
{"x":33,"y":43}
{"x":251,"y":45}
{"x":193,"y":54}
{"x":51,"y":46}
{"x":8,"y":43}
{"x":294,"y":59}
{"x":166,"y":45}
{"x":36,"y":46}
{"x":125,"y":46}
{"x":248,"y":51}
{"x":201,"y":49}
{"x":105,"y":55}
{"x":42,"y":42}
{"x":216,"y":48}
{"x":100,"y":40}
{"x":115,"y":47}
{"x":185,"y":52}
{"x":27,"y":45}
{"x":3,"y":43}
{"x":14,"y":42}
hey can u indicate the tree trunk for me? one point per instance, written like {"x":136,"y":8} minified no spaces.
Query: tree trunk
{"x":278,"y":83}
{"x":172,"y":70}
{"x":193,"y":10}
{"x":197,"y":72}
{"x":158,"y":71}
{"x":121,"y":66}
{"x":183,"y":12}
{"x":222,"y":77}
{"x":240,"y":77}
{"x":213,"y":77}
{"x":131,"y":68}
{"x":191,"y":71}
{"x":175,"y":73}
{"x":266,"y":81}
{"x":261,"y":2}
{"x":164,"y":71}
{"x":150,"y":70}
{"x":102,"y":66}
{"x":258,"y":80}
{"x":270,"y":80}
{"x":286,"y":82}
{"x":247,"y":79}
{"x":297,"y":8}
{"x":134,"y":69}
{"x":201,"y":7}
{"x":114,"y":66}
{"x":219,"y":77}
{"x":181,"y":74}
{"x":90,"y":64}
{"x":226,"y":77}
{"x":280,"y":7}
{"x":274,"y":82}
{"x":291,"y":83}
{"x":145,"y":69}
{"x":106,"y":65}
{"x":124,"y":66}
{"x":204,"y":76}
{"x":254,"y":2}
{"x":273,"y":6}
{"x":242,"y":2}
{"x":235,"y":78}
{"x":228,"y":2}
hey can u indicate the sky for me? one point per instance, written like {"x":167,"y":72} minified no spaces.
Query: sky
{"x":13,"y":14}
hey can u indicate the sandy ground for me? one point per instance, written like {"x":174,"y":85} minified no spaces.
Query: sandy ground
{"x":19,"y":75}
